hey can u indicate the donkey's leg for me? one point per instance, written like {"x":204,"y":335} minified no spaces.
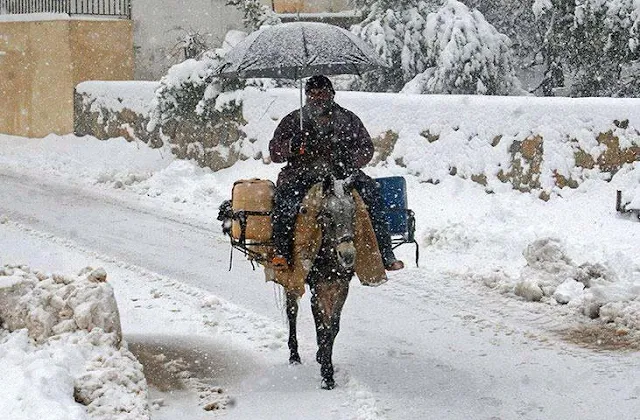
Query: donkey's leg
{"x":340,"y":296}
{"x":321,"y":329}
{"x":292,"y":314}
{"x":327,"y":301}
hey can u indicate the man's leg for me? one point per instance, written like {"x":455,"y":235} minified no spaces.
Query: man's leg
{"x":370,"y":193}
{"x":286,"y":205}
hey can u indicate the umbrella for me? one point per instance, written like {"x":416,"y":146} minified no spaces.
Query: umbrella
{"x":297,"y":50}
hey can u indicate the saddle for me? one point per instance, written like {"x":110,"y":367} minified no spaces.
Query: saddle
{"x":368,"y":265}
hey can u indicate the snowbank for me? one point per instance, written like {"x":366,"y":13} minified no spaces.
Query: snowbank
{"x":116,"y":96}
{"x":609,"y":290}
{"x":61,"y":349}
{"x":83,"y":158}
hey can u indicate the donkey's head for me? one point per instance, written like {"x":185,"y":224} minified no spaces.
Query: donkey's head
{"x":337,"y":219}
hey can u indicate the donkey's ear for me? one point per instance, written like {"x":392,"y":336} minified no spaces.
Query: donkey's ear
{"x":327,"y":185}
{"x":348,"y":182}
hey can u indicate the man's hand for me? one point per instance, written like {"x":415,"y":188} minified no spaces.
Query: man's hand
{"x":302,"y":143}
{"x":296,"y":144}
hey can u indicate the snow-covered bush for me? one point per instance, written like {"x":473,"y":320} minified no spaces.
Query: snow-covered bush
{"x":199,"y":113}
{"x":190,"y":90}
{"x":447,"y":50}
{"x":464,"y":55}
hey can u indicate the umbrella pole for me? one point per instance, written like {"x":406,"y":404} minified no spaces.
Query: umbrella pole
{"x":300,"y":104}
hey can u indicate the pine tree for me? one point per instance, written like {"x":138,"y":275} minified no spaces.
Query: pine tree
{"x":465,"y":55}
{"x":428,"y":52}
{"x":394,"y":28}
{"x":516,"y":19}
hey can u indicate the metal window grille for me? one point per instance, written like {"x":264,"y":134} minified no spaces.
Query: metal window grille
{"x":115,"y":8}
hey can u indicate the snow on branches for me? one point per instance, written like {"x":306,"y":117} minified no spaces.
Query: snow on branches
{"x":448,"y":50}
{"x":255,"y":13}
{"x":190,"y":89}
{"x":465,"y":55}
{"x":396,"y":35}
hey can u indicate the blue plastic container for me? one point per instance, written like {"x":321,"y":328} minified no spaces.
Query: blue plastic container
{"x":394,"y":195}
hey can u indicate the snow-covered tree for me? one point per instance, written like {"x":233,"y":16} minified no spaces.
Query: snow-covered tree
{"x":255,"y":13}
{"x":515,"y":18}
{"x":394,"y":28}
{"x":450,"y":49}
{"x":596,"y":41}
{"x":465,"y":55}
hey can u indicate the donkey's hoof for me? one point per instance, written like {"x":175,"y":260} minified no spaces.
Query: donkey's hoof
{"x":328,"y":384}
{"x":295,"y":360}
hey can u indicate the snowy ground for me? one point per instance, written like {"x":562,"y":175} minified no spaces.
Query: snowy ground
{"x":448,"y":340}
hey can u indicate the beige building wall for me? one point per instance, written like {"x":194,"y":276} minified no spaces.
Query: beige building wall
{"x":102,"y":50}
{"x":42,"y":61}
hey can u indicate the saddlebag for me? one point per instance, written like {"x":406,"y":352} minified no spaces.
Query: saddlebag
{"x":251,"y":202}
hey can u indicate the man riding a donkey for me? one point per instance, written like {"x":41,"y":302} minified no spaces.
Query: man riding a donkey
{"x":330,"y":141}
{"x":327,"y":219}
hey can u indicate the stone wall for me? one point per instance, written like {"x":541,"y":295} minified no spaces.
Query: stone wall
{"x":115,"y":109}
{"x":121,"y":109}
{"x":211,"y":145}
{"x":542,"y":154}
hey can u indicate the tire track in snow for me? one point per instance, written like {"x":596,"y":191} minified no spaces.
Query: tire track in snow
{"x":483,"y":308}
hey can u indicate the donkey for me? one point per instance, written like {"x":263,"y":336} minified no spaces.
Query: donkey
{"x":329,"y":276}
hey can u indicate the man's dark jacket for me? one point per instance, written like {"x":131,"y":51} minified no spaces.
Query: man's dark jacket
{"x":338,"y":139}
{"x":337,"y":142}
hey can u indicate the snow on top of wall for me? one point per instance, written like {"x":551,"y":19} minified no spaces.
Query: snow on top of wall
{"x":465,"y":125}
{"x":134,"y":95}
{"x":33,"y":17}
{"x":474,"y":133}
{"x":489,"y":114}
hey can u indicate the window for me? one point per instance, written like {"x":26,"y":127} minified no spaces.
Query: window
{"x":310,"y":6}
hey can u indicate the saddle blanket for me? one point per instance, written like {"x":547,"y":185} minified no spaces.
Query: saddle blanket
{"x":307,"y":237}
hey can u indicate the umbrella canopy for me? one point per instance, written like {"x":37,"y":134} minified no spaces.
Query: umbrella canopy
{"x":299,"y":49}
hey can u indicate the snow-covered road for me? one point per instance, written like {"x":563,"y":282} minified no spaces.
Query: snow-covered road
{"x":140,"y":235}
{"x":428,"y":344}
